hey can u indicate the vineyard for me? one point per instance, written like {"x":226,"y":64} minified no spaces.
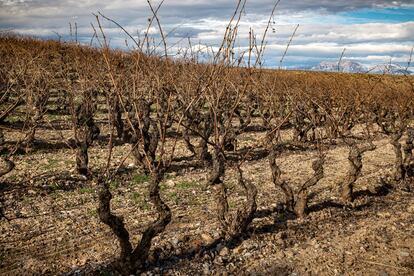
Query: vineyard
{"x":125,"y":161}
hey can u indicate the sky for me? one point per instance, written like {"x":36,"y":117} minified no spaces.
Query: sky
{"x":372,"y":31}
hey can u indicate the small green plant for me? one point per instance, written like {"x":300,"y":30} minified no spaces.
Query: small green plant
{"x":139,"y":200}
{"x":105,"y":273}
{"x":12,"y":177}
{"x":27,"y":199}
{"x":69,"y":162}
{"x":51,"y":164}
{"x":93,"y":213}
{"x":163,"y":187}
{"x":140,"y":178}
{"x":13,"y":119}
{"x":114,"y":184}
{"x":169,"y":176}
{"x":136,"y":197}
{"x":174,"y":197}
{"x":54,"y":187}
{"x":86,"y":190}
{"x":55,"y":195}
{"x":185,"y":185}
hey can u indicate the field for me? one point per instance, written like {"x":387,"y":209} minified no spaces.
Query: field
{"x":119,"y":162}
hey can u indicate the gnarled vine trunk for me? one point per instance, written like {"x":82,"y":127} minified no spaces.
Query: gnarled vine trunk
{"x":132,"y":259}
{"x":232,"y":225}
{"x":245,"y":213}
{"x":143,"y":135}
{"x":86,"y":131}
{"x":2,"y":140}
{"x":276,"y":177}
{"x":295,"y":202}
{"x":355,"y":162}
{"x":118,"y":122}
{"x":408,"y":153}
{"x":6,"y":166}
{"x":201,"y":125}
{"x":399,"y":170}
{"x":301,"y":202}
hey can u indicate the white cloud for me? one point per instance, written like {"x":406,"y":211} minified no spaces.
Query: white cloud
{"x":322,"y":33}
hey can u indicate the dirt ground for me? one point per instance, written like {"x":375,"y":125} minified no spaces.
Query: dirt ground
{"x":54,"y":228}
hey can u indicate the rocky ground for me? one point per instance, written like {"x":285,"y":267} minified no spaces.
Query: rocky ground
{"x":54,"y":229}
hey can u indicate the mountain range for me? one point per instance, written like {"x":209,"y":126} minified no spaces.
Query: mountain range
{"x":348,"y":66}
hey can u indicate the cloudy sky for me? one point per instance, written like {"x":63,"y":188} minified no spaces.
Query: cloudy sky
{"x":372,"y":31}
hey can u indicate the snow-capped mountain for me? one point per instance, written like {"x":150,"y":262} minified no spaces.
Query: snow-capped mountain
{"x":348,"y":66}
{"x":345,"y":66}
{"x":393,"y":69}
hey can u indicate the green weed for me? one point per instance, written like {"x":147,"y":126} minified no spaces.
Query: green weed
{"x":114,"y":184}
{"x":174,"y":197}
{"x":51,"y":164}
{"x":93,"y":213}
{"x":185,"y":185}
{"x":139,"y":200}
{"x":140,"y":178}
{"x":86,"y":190}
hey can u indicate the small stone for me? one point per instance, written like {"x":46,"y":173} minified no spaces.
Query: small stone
{"x":195,"y":245}
{"x":289,"y":254}
{"x":237,"y":250}
{"x":231,"y":266}
{"x":174,"y":241}
{"x":206,"y":269}
{"x":218,"y":260}
{"x":384,"y":214}
{"x":404,"y":254}
{"x":383,"y":273}
{"x":280,"y":255}
{"x":250,"y":245}
{"x":170,"y":183}
{"x":207,"y":239}
{"x":224,"y":252}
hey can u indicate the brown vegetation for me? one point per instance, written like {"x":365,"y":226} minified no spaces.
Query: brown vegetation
{"x":154,"y":103}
